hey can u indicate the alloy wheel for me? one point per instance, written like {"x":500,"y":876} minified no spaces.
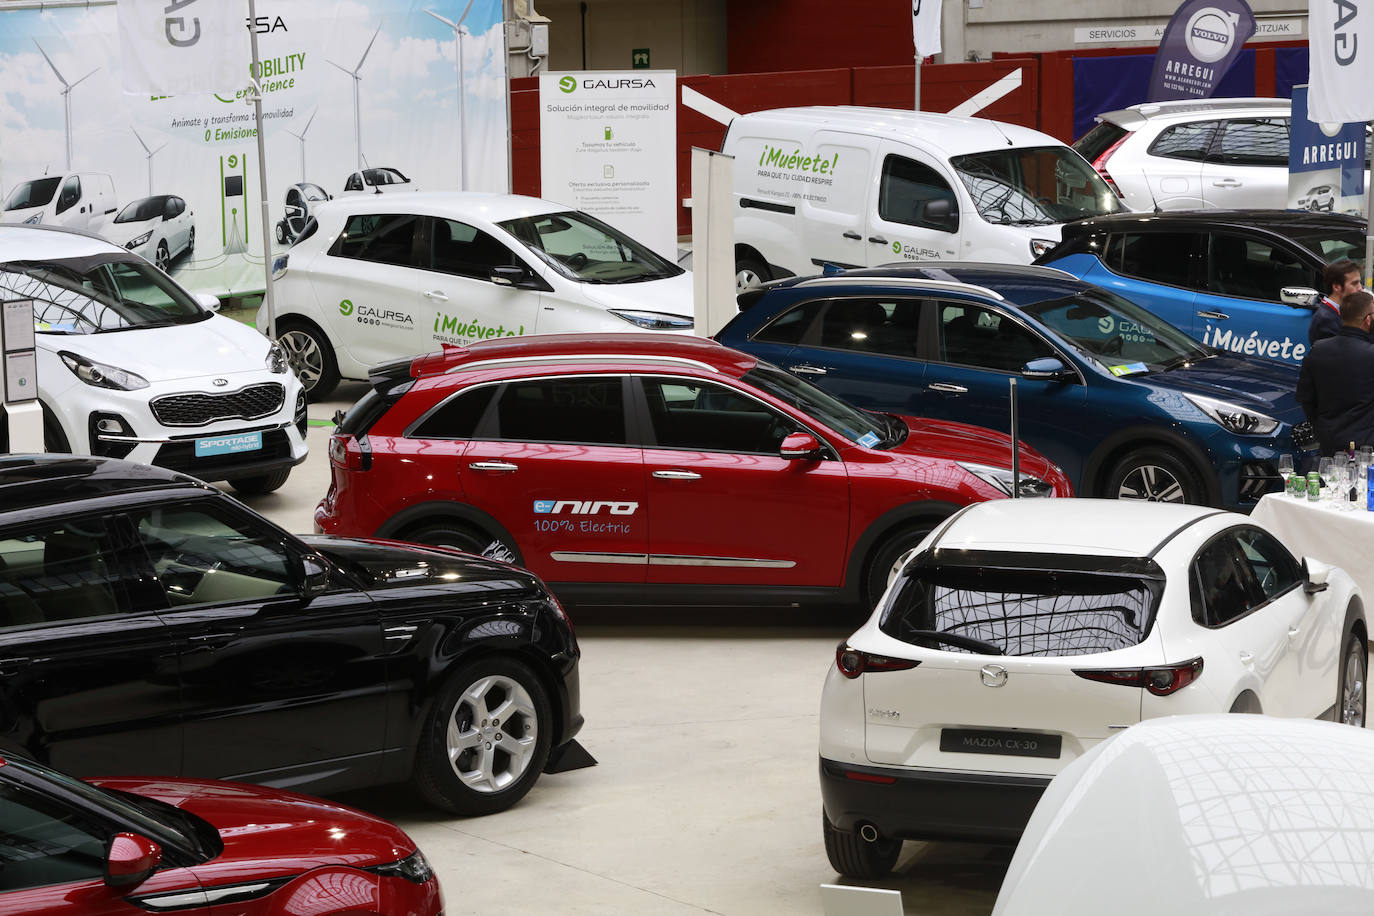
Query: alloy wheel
{"x":1352,"y":694}
{"x":745,"y":278}
{"x":304,"y":357}
{"x":492,"y":733}
{"x":1151,"y":483}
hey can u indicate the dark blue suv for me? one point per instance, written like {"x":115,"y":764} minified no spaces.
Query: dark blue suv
{"x":1126,"y":404}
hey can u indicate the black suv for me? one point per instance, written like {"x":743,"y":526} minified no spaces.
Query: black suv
{"x":152,"y":624}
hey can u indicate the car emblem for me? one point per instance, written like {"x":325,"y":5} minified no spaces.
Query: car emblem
{"x":994,"y":675}
{"x":221,"y":382}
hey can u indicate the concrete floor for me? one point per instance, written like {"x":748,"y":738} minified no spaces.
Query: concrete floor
{"x":705,"y":798}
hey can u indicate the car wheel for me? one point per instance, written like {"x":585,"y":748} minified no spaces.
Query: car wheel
{"x":854,"y":857}
{"x":310,"y":357}
{"x":1353,"y":677}
{"x":750,"y":272}
{"x":281,"y":233}
{"x":487,"y":739}
{"x":191,"y":240}
{"x":466,"y":538}
{"x":161,"y":256}
{"x":889,"y":558}
{"x":1154,"y":475}
{"x":261,"y":483}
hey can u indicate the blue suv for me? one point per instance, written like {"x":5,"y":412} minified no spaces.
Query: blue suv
{"x":1126,"y":404}
{"x":1240,"y":280}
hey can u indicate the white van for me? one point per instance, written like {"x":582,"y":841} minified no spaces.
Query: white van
{"x":77,"y":200}
{"x":858,"y":187}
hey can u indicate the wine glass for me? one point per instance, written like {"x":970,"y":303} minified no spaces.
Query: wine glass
{"x":1324,"y":467}
{"x":1286,"y":472}
{"x":1340,"y":484}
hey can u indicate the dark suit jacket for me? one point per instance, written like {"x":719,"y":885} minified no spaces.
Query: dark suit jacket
{"x":1326,"y":322}
{"x":1336,"y":389}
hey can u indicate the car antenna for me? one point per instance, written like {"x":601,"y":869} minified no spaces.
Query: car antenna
{"x":1151,"y":191}
{"x":1002,"y":132}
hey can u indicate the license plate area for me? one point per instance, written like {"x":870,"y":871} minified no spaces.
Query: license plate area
{"x":227,"y":445}
{"x":1000,"y":743}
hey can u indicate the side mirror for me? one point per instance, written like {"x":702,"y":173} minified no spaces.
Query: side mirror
{"x":1314,"y":574}
{"x":315,"y":575}
{"x":799,"y":446}
{"x":511,"y":276}
{"x":207,"y":301}
{"x":940,"y":213}
{"x":1299,"y":296}
{"x":1048,"y":368}
{"x":131,"y":860}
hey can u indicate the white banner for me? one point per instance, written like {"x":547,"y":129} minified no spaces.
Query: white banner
{"x":1341,"y":45}
{"x":181,"y":46}
{"x":925,"y":26}
{"x":608,"y":146}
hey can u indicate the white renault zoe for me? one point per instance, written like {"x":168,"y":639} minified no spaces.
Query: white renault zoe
{"x":130,"y":365}
{"x":377,"y":277}
{"x":1021,"y":633}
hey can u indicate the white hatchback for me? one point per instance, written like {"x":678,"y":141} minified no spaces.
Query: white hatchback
{"x":375,"y":277}
{"x":130,"y":365}
{"x":160,"y":228}
{"x":1021,"y":633}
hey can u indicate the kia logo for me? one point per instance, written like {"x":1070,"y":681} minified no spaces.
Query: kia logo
{"x":220,"y":382}
{"x":993,"y":675}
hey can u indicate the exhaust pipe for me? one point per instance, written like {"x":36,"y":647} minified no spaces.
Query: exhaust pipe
{"x":869,"y":833}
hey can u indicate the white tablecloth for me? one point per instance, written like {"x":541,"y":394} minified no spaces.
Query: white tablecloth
{"x":1322,"y":532}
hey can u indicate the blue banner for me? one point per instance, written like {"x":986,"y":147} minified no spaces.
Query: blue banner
{"x":1200,"y":43}
{"x":1325,"y":162}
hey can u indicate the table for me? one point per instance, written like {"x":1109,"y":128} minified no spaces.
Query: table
{"x":1322,"y":532}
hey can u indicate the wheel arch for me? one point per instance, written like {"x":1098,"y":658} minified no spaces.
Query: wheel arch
{"x":344,"y":364}
{"x":1354,"y":622}
{"x":1247,"y":701}
{"x":438,"y":511}
{"x":931,"y":511}
{"x":1120,"y":443}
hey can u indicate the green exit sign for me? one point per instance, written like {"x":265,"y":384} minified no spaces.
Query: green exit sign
{"x":639,"y":58}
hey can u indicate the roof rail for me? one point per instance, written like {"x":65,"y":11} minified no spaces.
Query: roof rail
{"x":920,"y":282}
{"x":553,"y":358}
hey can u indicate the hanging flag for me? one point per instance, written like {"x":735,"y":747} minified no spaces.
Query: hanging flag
{"x":1200,"y":44}
{"x":925,"y":26}
{"x":176,"y":47}
{"x":1340,"y":75}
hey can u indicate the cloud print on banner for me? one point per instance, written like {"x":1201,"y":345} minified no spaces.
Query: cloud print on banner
{"x":180,"y":46}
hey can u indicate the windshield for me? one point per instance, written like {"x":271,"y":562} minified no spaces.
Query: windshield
{"x":1332,"y":244}
{"x":858,"y":426}
{"x":582,"y":247}
{"x":1046,"y":605}
{"x":139,"y":210}
{"x":32,"y":194}
{"x":1034,"y":185}
{"x":313,"y":192}
{"x":1117,"y":335}
{"x":384,"y":176}
{"x":98,"y":294}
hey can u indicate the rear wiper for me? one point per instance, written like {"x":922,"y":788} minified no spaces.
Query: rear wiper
{"x":956,"y":639}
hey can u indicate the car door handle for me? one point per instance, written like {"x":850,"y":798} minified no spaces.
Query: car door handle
{"x":1247,"y":659}
{"x":952,"y":389}
{"x":212,"y":640}
{"x":1293,"y":632}
{"x":677,"y":475}
{"x":1215,"y":316}
{"x":851,"y":234}
{"x":1226,"y":183}
{"x":809,"y":370}
{"x":499,"y":467}
{"x":877,"y":240}
{"x":436,"y":294}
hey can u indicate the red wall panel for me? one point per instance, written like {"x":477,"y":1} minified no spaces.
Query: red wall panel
{"x":770,"y":35}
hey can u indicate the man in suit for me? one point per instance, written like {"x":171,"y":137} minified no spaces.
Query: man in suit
{"x":1336,"y":382}
{"x":1341,"y":278}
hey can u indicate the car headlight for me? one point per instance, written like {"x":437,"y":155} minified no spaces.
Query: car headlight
{"x":141,"y":240}
{"x":100,"y":375}
{"x":1233,"y":417}
{"x":1001,"y":478}
{"x":414,"y":868}
{"x":33,"y":220}
{"x":276,"y":359}
{"x":1040,"y":246}
{"x":654,"y":321}
{"x":279,"y":266}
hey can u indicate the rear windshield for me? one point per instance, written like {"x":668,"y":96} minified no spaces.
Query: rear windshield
{"x":1098,"y":140}
{"x":1030,"y":610}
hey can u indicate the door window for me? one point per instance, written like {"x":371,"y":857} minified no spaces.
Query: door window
{"x":354,"y":183}
{"x":66,"y":570}
{"x":1160,"y":257}
{"x":908,"y":189}
{"x":1185,"y":141}
{"x":1236,"y":573}
{"x":457,"y":248}
{"x":586,"y":411}
{"x":456,"y":418}
{"x":701,"y":417}
{"x":1252,"y":268}
{"x":1253,"y":141}
{"x":1273,"y":567}
{"x":884,"y":326}
{"x":205,"y":555}
{"x":972,"y":335}
{"x":792,"y":326}
{"x":385,"y":238}
{"x":71,"y":193}
{"x":44,"y":842}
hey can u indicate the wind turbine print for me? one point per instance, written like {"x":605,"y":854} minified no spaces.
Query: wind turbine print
{"x":151,"y":153}
{"x":357,"y":80}
{"x":66,"y":98}
{"x":458,"y":33}
{"x":301,"y":137}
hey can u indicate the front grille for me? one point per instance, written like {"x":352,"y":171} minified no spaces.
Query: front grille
{"x":180,"y":455}
{"x":198,"y":409}
{"x":1258,"y":478}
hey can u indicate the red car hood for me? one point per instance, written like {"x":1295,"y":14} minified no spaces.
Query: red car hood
{"x":279,"y":832}
{"x":963,"y":442}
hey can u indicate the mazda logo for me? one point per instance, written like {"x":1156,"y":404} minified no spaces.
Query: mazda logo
{"x":993,"y":675}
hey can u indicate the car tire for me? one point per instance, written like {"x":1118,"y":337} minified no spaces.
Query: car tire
{"x":466,"y":538}
{"x":259,"y":484}
{"x":854,"y":857}
{"x":191,"y":240}
{"x":750,"y":272}
{"x":1352,"y":683}
{"x":1155,"y":475}
{"x":281,"y":233}
{"x":310,"y":356}
{"x":463,"y":763}
{"x":162,"y":256}
{"x":887,"y":560}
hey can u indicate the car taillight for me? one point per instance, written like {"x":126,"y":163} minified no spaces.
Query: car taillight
{"x":1100,"y":163}
{"x":352,"y":459}
{"x":1161,"y":680}
{"x":853,"y":663}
